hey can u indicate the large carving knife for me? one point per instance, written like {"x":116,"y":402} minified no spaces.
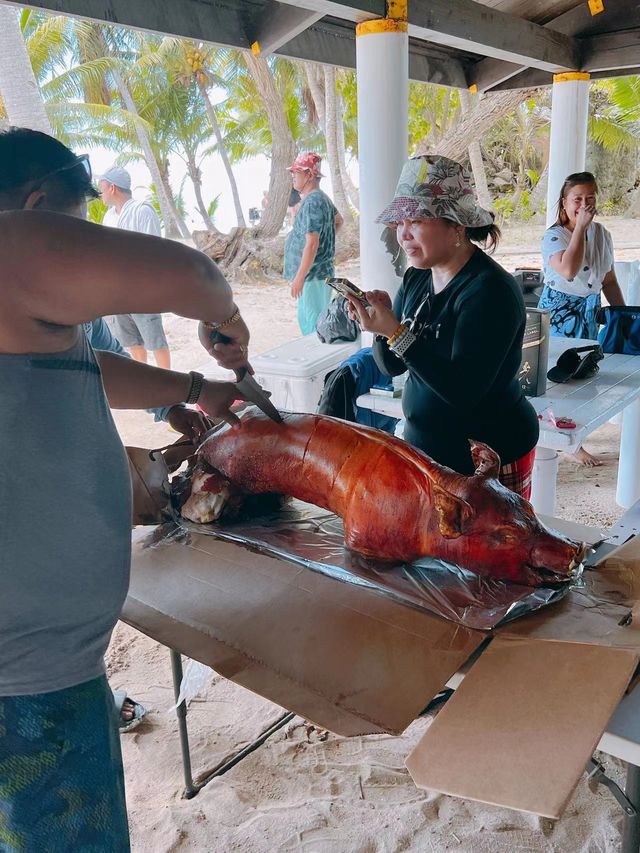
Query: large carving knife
{"x":248,"y":387}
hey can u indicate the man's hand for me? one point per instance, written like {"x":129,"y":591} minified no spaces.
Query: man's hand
{"x":378,"y":317}
{"x":216,"y":398}
{"x":297,"y":286}
{"x":189,"y":422}
{"x":232,"y":355}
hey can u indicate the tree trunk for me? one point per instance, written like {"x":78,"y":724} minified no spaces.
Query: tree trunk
{"x":331,"y":137}
{"x":196,"y":179}
{"x":350,"y":187}
{"x":222,"y":151}
{"x":172,"y":221}
{"x":179,"y":228}
{"x":475,"y":158}
{"x":18,"y":86}
{"x":489,"y":110}
{"x":283,"y":148}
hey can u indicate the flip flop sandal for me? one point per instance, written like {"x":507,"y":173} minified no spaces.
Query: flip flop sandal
{"x":139,"y":711}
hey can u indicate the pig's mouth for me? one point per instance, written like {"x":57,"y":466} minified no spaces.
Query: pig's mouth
{"x":543,"y":576}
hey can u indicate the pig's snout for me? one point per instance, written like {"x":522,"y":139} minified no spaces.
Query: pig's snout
{"x":559,"y":557}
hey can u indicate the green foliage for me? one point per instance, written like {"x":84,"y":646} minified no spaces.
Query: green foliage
{"x":96,"y":210}
{"x":212,"y":209}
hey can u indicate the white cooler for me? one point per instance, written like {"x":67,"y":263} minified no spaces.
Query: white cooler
{"x":295,"y":371}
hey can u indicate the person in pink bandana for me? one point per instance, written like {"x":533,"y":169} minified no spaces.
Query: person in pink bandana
{"x":310,"y":246}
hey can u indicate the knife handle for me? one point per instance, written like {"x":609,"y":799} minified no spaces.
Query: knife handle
{"x":218,"y":338}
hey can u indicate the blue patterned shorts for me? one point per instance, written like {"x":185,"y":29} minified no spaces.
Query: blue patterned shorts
{"x":61,"y":779}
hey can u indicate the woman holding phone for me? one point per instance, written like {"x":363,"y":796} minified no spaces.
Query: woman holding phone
{"x":456,"y":326}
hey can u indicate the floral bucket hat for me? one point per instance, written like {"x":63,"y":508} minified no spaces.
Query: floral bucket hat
{"x":307,"y":162}
{"x":436,"y":188}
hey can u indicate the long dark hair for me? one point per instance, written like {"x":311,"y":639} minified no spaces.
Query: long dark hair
{"x":569,"y":183}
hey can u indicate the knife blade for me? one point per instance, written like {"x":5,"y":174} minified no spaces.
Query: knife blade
{"x":254,"y":393}
{"x":248,"y":387}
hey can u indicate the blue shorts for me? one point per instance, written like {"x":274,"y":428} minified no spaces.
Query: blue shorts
{"x":61,"y":779}
{"x":140,"y":330}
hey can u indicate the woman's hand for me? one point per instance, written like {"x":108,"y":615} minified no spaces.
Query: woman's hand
{"x":584,"y":217}
{"x":378,"y":317}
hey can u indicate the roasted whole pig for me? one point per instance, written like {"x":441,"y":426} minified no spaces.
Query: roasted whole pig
{"x":395,"y":501}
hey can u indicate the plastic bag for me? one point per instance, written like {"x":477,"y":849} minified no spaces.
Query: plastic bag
{"x":334,"y":324}
{"x":195,"y":680}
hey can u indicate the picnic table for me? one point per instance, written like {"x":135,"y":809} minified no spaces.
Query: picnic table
{"x":590,"y":403}
{"x":197,"y":625}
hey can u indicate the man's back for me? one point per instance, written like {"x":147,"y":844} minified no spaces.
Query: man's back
{"x":135,"y":216}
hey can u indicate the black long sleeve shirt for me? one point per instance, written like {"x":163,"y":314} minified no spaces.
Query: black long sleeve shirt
{"x":463,"y":366}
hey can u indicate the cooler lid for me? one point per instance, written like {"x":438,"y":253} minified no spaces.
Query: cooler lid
{"x":303,"y":357}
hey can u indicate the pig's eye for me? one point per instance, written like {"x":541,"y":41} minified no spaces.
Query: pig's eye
{"x":504,"y":536}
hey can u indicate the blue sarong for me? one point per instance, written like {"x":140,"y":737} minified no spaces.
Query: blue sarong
{"x":61,"y":779}
{"x":571,"y":316}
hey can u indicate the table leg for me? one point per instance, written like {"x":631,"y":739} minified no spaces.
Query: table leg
{"x":543,"y":485}
{"x":631,"y":825}
{"x":190,"y":790}
{"x":628,"y":490}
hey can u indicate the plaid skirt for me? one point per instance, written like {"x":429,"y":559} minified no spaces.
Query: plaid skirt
{"x":517,"y":475}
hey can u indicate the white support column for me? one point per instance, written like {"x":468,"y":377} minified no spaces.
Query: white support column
{"x":628,"y":488}
{"x":543,"y":481}
{"x":568,"y":147}
{"x":382,"y":62}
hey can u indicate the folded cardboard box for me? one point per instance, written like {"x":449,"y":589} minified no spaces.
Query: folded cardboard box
{"x":518,"y":731}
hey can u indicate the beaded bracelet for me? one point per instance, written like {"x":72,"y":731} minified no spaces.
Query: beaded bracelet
{"x":228,"y":322}
{"x":394,"y":337}
{"x":402,"y":343}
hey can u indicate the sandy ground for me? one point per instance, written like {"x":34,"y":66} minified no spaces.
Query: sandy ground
{"x":299,"y":791}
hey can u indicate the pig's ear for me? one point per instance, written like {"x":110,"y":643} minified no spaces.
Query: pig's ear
{"x":454,"y":514}
{"x":485,"y":459}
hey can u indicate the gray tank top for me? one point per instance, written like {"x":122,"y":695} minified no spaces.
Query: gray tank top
{"x":65,"y":520}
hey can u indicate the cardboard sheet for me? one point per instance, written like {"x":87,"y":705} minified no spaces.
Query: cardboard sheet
{"x":521,"y":727}
{"x":345,"y":657}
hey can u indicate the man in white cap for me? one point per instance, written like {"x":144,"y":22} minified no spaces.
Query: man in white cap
{"x":310,"y":246}
{"x":138,"y":333}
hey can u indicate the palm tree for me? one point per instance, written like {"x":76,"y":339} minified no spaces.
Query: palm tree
{"x":322,"y":85}
{"x":199,"y":65}
{"x":21,"y":97}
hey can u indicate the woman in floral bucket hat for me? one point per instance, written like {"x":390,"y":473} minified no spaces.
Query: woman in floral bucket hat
{"x":456,"y":326}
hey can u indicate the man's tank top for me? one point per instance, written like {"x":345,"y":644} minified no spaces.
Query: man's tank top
{"x":65,"y":520}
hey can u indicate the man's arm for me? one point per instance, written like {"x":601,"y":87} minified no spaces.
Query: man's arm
{"x":134,"y":385}
{"x":339,"y":221}
{"x":100,"y":338}
{"x":312,"y":241}
{"x":46,"y":259}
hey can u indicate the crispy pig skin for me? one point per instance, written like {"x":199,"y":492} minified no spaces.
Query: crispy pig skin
{"x":397,"y":504}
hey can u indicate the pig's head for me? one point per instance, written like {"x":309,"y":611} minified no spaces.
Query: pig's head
{"x":493,"y":531}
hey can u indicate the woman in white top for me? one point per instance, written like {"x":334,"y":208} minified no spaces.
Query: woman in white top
{"x":578,"y":262}
{"x":578,"y":265}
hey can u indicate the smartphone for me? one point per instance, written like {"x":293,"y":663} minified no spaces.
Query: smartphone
{"x":344,"y":286}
